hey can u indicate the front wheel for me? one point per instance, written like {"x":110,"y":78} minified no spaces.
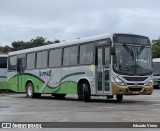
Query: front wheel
{"x":86,"y":92}
{"x":30,"y":91}
{"x":119,"y":97}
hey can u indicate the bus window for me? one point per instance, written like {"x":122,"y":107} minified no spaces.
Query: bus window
{"x":31,"y":61}
{"x":55,"y":57}
{"x":42,"y":58}
{"x":12,"y":62}
{"x":70,"y":56}
{"x":66,"y":57}
{"x":3,"y":62}
{"x":73,"y":55}
{"x":86,"y":53}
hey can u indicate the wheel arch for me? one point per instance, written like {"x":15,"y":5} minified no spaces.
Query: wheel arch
{"x":28,"y":81}
{"x":80,"y":86}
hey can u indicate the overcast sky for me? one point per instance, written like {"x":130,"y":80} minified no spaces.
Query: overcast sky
{"x":70,"y":19}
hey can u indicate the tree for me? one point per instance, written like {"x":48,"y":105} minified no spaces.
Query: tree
{"x":5,"y":49}
{"x":56,"y":41}
{"x":156,"y":48}
{"x":18,"y":45}
{"x":38,"y":41}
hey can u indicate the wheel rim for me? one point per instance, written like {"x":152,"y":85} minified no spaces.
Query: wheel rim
{"x":30,"y":90}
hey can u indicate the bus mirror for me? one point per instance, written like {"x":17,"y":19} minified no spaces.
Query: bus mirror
{"x":112,"y":50}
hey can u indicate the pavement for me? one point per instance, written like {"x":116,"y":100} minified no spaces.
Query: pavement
{"x":16,"y":107}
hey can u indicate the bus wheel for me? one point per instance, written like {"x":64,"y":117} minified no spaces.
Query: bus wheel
{"x":59,"y":96}
{"x":80,"y":91}
{"x":30,"y":91}
{"x":86,"y":92}
{"x":119,"y":97}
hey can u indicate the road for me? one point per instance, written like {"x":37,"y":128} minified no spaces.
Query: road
{"x":141,"y":108}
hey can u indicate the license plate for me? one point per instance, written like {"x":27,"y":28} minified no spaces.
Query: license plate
{"x":136,"y":93}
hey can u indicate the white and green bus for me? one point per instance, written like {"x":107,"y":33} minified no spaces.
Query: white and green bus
{"x":3,"y":72}
{"x":105,"y":65}
{"x":156,"y":72}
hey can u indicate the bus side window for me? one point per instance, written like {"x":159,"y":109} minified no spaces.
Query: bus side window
{"x":86,"y":53}
{"x":55,"y":57}
{"x":70,"y":56}
{"x":31,"y":61}
{"x":12,"y":63}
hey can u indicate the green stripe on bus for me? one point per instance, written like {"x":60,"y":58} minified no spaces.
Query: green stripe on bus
{"x":59,"y":86}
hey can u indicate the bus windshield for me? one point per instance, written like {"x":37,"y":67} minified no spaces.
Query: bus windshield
{"x":156,"y":69}
{"x":132,"y":60}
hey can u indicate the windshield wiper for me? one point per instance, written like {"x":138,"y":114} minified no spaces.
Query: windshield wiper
{"x":128,"y":50}
{"x":140,"y":50}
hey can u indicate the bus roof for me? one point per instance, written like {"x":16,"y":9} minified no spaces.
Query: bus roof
{"x":87,"y":39}
{"x":156,"y":60}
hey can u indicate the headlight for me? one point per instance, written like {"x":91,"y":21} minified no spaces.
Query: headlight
{"x":149,"y":83}
{"x":118,"y":81}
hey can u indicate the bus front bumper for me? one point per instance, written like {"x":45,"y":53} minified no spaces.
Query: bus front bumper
{"x":134,"y":90}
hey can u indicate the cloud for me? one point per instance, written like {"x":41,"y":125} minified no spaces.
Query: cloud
{"x":69,"y":19}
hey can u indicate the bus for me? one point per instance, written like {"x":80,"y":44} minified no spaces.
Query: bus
{"x":3,"y":72}
{"x":104,"y":65}
{"x":156,"y":72}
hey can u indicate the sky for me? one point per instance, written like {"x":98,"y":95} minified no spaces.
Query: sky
{"x":72,"y":19}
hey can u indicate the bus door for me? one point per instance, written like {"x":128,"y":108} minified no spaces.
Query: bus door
{"x":102,"y":69}
{"x":20,"y":72}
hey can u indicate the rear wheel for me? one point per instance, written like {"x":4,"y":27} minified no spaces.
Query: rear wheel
{"x":30,"y":91}
{"x":119,"y":97}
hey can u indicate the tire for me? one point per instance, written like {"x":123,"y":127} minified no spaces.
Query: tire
{"x":59,"y":96}
{"x":80,"y":92}
{"x":30,"y":91}
{"x":119,"y":97}
{"x":86,"y":92}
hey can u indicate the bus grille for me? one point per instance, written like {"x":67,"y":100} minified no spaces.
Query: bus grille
{"x":132,"y":84}
{"x":135,"y":78}
{"x":135,"y":89}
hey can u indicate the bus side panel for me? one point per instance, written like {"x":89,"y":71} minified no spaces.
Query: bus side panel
{"x":3,"y":79}
{"x":71,"y":76}
{"x":12,"y":81}
{"x":56,"y":80}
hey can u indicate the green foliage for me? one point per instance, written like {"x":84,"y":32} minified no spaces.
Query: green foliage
{"x":5,"y":49}
{"x":156,"y":48}
{"x":19,"y":45}
{"x":38,"y":41}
